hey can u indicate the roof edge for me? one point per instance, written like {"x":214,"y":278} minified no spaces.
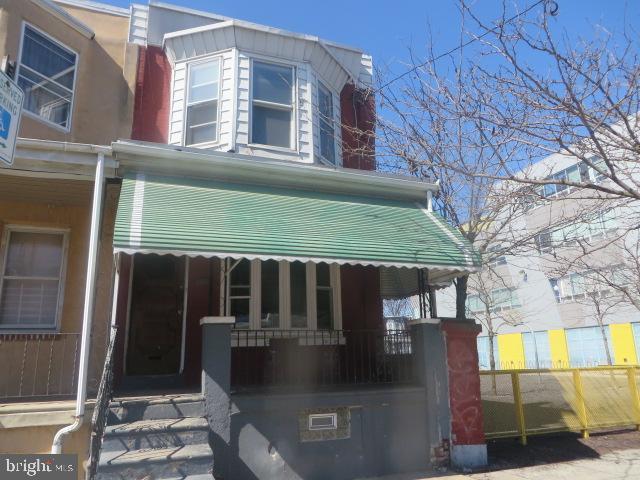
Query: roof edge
{"x":163,"y":159}
{"x":64,"y":16}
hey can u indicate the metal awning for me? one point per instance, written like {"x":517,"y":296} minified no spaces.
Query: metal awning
{"x":183,"y":216}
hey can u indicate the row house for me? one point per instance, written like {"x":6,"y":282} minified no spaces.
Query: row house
{"x":230,"y":259}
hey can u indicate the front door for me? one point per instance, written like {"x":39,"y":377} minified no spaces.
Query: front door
{"x":155,"y":320}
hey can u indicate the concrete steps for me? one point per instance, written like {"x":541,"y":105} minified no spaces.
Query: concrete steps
{"x":163,"y":437}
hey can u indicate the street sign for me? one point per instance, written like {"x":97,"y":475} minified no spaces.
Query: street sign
{"x":11,"y":97}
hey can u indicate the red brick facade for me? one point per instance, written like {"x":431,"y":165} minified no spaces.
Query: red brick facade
{"x":153,"y":94}
{"x":358,"y":128}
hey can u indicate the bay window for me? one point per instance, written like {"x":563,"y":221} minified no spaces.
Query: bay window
{"x":325,"y":109}
{"x":46,"y":73}
{"x":32,"y":278}
{"x":201,"y":125}
{"x":272,"y":104}
{"x":274,"y":294}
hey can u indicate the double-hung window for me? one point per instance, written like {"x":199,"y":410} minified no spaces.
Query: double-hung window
{"x":46,"y":73}
{"x":202,"y":103}
{"x":327,"y":132}
{"x":239,"y":291}
{"x":272,"y":104}
{"x":32,"y":278}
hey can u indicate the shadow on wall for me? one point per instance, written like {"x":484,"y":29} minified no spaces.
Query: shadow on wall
{"x":387,"y":434}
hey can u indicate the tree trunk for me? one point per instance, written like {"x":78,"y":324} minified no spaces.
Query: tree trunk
{"x":461,"y":297}
{"x":606,"y":342}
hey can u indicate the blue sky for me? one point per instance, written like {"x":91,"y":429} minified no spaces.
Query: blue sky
{"x":386,"y":28}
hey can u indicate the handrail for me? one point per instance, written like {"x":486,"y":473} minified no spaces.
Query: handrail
{"x":103,"y":399}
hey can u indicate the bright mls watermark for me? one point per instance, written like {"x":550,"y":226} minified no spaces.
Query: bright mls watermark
{"x":37,"y":466}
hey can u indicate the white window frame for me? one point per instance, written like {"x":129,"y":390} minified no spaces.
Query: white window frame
{"x":4,"y":248}
{"x":35,"y":116}
{"x":186,"y":104}
{"x":333,"y":416}
{"x":284,"y":284}
{"x":322,"y":86}
{"x":294,"y":145}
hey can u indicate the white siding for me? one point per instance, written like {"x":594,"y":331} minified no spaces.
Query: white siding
{"x":138,"y":24}
{"x":225,"y":102}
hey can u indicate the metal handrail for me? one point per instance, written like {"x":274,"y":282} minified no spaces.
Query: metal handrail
{"x":103,"y":399}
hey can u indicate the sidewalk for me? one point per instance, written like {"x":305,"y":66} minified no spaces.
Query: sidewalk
{"x":620,"y":465}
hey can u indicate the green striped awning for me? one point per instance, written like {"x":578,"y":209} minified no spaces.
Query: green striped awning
{"x":215,"y":219}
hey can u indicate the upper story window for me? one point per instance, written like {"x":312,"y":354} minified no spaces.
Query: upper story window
{"x":32,"y":278}
{"x":272,"y":104}
{"x":325,"y":107}
{"x":202,"y":103}
{"x":47,"y":73}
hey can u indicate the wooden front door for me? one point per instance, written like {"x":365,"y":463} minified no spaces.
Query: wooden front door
{"x":155,"y":320}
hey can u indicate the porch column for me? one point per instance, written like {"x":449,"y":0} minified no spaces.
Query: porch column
{"x":216,"y":386}
{"x":468,"y":447}
{"x":429,"y":356}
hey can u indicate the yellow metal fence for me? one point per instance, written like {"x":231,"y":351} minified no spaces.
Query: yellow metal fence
{"x":519,"y":403}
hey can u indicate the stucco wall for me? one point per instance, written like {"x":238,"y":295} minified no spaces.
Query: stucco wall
{"x":102,"y":103}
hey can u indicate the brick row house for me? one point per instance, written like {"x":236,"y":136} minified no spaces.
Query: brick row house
{"x":208,"y":245}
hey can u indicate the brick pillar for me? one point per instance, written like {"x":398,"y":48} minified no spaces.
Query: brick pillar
{"x":468,"y":447}
{"x":429,"y":356}
{"x":216,"y":387}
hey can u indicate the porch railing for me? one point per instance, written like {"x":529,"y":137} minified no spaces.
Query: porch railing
{"x":38,"y":365}
{"x":101,"y":409}
{"x":308,"y":359}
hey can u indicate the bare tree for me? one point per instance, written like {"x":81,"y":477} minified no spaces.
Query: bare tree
{"x":482,"y":124}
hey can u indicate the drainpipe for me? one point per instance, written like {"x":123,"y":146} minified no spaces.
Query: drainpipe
{"x":87,"y":315}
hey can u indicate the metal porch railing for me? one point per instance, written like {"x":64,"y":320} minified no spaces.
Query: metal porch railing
{"x":520,"y":403}
{"x":38,"y":365}
{"x":309,"y":359}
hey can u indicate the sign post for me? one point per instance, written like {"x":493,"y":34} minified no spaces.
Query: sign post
{"x":11,"y":97}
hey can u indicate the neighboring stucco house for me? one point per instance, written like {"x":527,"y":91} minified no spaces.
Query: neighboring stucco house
{"x":253,"y":244}
{"x":71,"y":62}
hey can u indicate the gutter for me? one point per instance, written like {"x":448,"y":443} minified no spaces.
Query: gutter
{"x":87,"y":315}
{"x":56,"y":146}
{"x":137,"y":157}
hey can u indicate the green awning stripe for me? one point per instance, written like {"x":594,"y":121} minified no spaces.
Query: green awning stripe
{"x":174,"y":215}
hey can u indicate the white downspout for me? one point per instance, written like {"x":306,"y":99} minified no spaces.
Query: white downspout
{"x":87,"y":315}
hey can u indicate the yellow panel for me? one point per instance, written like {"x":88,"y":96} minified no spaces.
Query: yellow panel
{"x":559,"y":351}
{"x":623,"y":345}
{"x":511,"y":350}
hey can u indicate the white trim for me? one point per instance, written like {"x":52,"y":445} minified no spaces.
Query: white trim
{"x":185,"y":298}
{"x":128,"y":315}
{"x":446,"y":269}
{"x":221,"y":320}
{"x":62,"y":274}
{"x":135,"y":227}
{"x":334,"y":421}
{"x":64,"y":16}
{"x":95,"y":7}
{"x":186,"y":103}
{"x":157,"y":158}
{"x":62,"y":45}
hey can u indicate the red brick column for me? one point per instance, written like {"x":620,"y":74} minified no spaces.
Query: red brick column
{"x":468,"y":448}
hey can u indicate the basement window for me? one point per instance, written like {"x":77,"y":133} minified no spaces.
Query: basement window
{"x":323,"y":421}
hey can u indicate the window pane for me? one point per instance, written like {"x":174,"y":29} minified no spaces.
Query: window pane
{"x":29,"y":302}
{"x":325,"y":103}
{"x":272,"y":83}
{"x":327,"y":145}
{"x":241,"y":274}
{"x":325,"y":308}
{"x":271,"y":127}
{"x":203,"y":82}
{"x":45,"y":98}
{"x":270,"y":298}
{"x":323,"y":275}
{"x":34,"y":255}
{"x":239,"y":308}
{"x":201,"y":123}
{"x":543,"y":348}
{"x":48,"y":58}
{"x":298,"y":278}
